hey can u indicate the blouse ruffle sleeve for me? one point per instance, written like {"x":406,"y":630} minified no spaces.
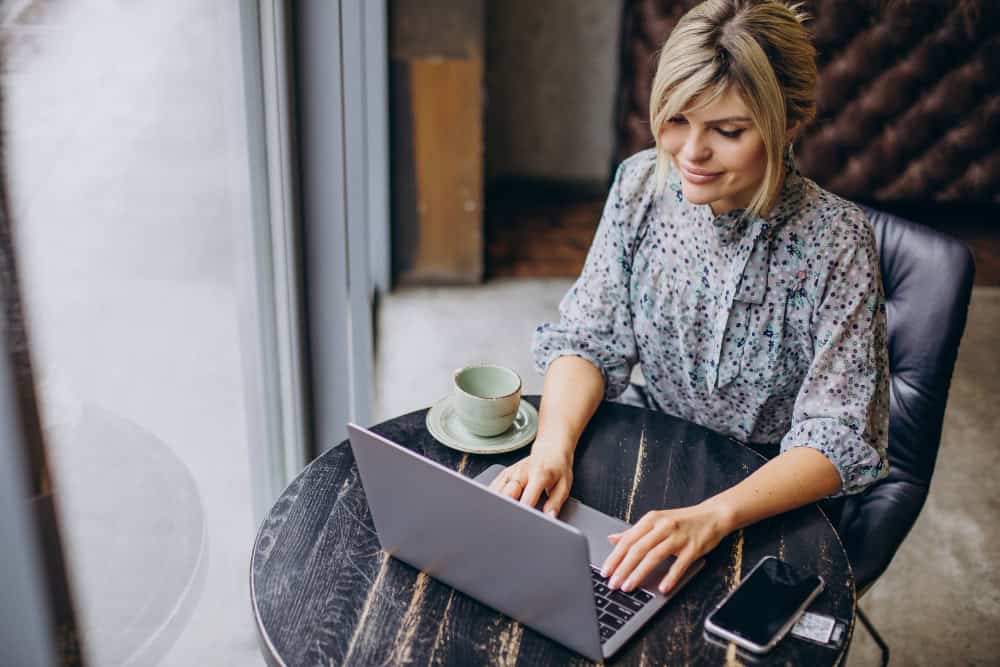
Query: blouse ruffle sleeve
{"x":595,"y":320}
{"x":842,"y":407}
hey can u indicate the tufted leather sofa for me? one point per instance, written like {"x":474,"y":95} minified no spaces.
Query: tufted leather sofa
{"x":908,"y":96}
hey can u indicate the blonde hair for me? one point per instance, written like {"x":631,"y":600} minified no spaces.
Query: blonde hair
{"x":758,"y":46}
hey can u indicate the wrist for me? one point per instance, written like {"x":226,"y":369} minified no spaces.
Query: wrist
{"x":723,"y":512}
{"x":562,"y":448}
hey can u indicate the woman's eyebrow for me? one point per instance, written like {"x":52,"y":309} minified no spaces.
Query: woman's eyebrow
{"x":728,"y":119}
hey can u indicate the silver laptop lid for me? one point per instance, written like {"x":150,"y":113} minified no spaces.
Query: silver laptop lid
{"x":506,"y":555}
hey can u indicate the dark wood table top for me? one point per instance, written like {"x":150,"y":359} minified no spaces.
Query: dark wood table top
{"x":324,"y":593}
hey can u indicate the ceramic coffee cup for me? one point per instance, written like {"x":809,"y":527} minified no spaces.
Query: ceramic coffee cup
{"x":486,"y":398}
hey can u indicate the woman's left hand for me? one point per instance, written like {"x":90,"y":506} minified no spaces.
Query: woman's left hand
{"x":688,"y":533}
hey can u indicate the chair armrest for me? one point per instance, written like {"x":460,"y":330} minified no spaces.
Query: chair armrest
{"x":874,"y":524}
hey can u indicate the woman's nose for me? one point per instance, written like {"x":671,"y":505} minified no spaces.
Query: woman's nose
{"x":695,"y":148}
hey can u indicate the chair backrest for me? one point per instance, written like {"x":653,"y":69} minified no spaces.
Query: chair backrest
{"x":928,"y":283}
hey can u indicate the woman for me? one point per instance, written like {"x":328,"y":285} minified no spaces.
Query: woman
{"x":751,"y":296}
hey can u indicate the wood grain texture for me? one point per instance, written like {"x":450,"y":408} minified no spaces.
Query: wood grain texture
{"x":325,"y":594}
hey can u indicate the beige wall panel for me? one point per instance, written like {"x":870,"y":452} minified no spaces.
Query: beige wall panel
{"x":446,"y":112}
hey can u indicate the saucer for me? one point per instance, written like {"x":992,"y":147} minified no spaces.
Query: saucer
{"x":444,"y":424}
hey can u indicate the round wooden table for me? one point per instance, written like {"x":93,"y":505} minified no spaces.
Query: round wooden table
{"x":324,"y":593}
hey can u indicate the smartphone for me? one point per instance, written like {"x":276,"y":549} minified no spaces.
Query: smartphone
{"x":765,"y":605}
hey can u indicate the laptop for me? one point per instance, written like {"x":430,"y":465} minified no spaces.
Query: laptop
{"x":539,"y":570}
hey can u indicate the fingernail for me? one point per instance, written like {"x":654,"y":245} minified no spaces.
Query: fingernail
{"x":664,"y":588}
{"x":627,"y":586}
{"x":551,"y":513}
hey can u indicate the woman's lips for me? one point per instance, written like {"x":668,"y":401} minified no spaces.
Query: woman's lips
{"x":699,"y":176}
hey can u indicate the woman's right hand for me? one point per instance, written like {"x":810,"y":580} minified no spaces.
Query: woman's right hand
{"x":543,"y":470}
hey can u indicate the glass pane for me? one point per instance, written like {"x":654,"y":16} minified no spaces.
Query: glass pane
{"x":121,"y":157}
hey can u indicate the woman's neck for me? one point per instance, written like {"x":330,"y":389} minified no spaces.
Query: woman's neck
{"x":723,"y":206}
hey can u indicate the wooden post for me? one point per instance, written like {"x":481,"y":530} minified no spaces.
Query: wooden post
{"x":436,"y":83}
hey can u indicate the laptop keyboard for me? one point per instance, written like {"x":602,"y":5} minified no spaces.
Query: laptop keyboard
{"x":614,"y":608}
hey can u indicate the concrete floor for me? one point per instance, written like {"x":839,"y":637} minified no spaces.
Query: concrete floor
{"x":939,"y":601}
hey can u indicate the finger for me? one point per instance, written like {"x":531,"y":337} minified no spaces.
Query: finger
{"x":627,"y":539}
{"x":500,"y":480}
{"x":656,"y":555}
{"x":512,"y":489}
{"x":633,"y":556}
{"x":557,"y":496}
{"x":521,"y":477}
{"x":622,"y":543}
{"x":533,"y":490}
{"x":677,"y":570}
{"x":624,"y":540}
{"x":508,"y":473}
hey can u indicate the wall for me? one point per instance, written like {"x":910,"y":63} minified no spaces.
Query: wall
{"x":551,"y":68}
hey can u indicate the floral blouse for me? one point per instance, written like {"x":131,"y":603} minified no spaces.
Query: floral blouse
{"x":769,"y":330}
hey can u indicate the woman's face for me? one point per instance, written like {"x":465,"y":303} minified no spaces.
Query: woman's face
{"x":718,"y":152}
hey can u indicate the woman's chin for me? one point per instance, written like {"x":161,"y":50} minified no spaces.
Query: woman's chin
{"x":698,"y":195}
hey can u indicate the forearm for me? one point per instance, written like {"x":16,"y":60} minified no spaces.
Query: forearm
{"x":790,"y":480}
{"x":573,"y":389}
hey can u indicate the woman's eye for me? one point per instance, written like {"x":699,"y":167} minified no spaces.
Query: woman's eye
{"x":729,"y":134}
{"x":679,"y":120}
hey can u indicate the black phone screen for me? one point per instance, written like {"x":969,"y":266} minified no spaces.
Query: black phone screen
{"x":765,"y":600}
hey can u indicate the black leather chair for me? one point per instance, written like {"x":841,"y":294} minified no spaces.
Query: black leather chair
{"x":928,"y":283}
